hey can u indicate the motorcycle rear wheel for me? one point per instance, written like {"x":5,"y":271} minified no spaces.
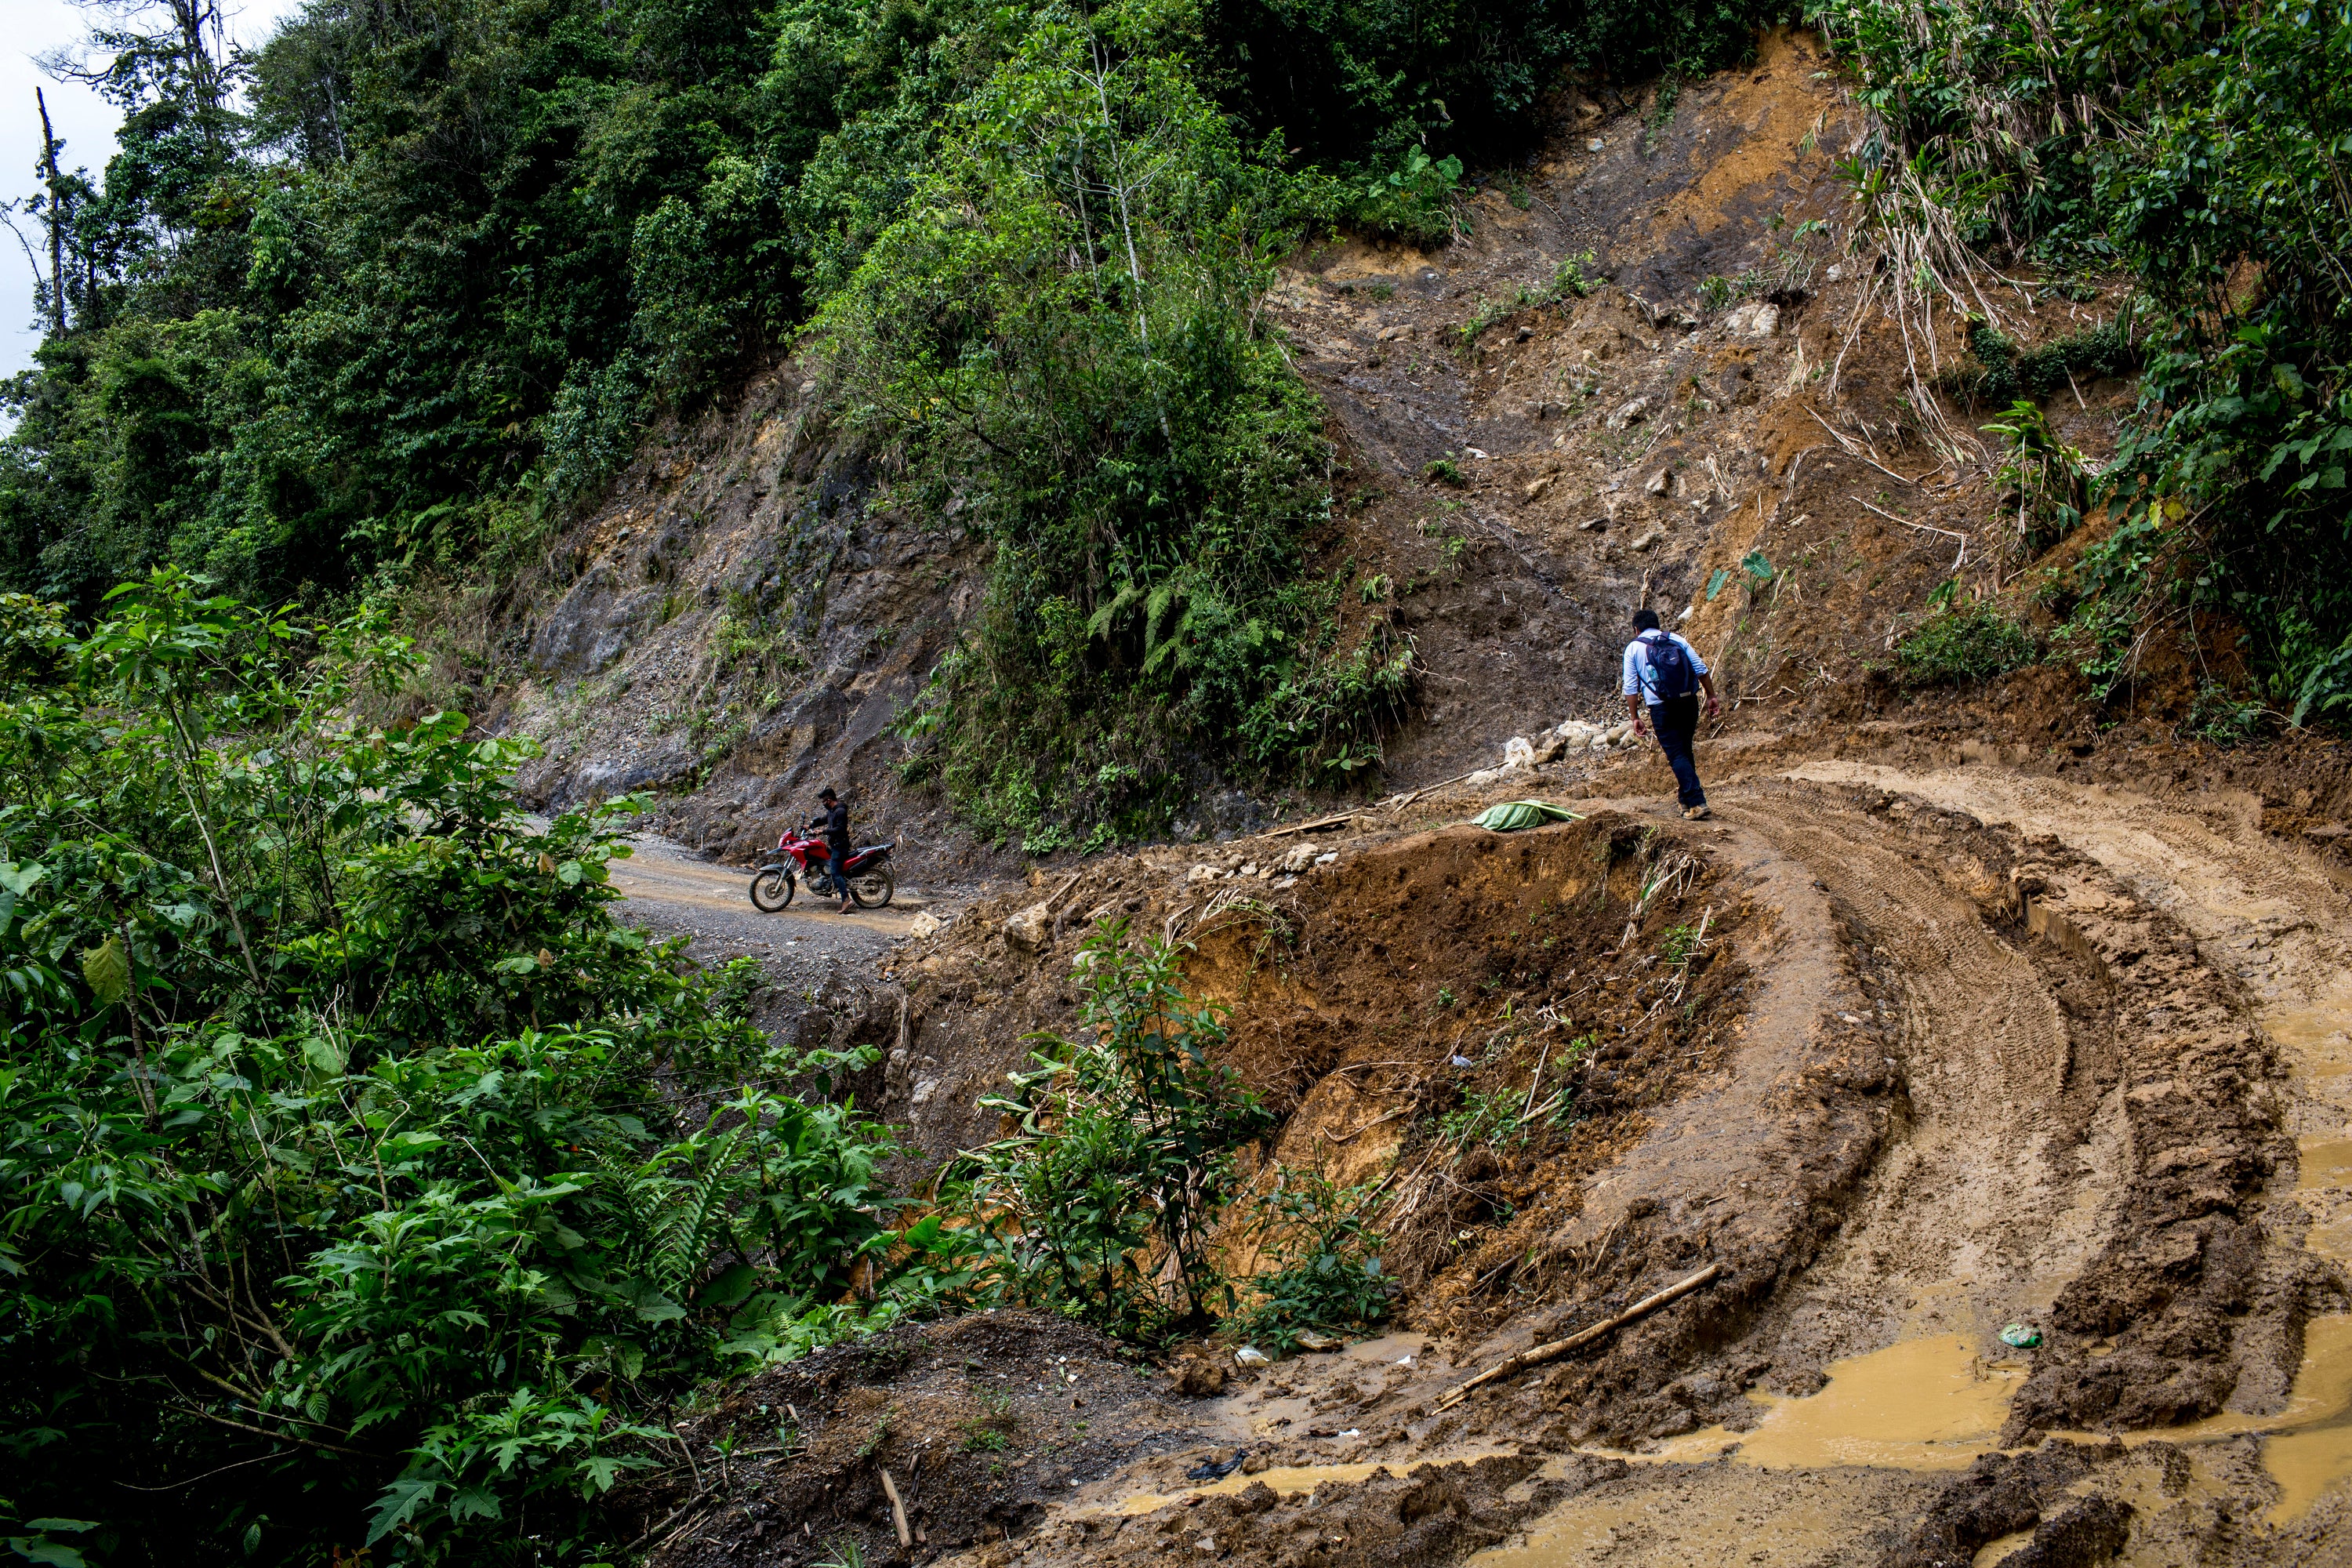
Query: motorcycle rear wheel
{"x":873,"y":889}
{"x":772,"y":890}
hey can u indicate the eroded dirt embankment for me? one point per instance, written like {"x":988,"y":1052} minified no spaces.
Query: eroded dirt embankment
{"x":1967,"y":1050}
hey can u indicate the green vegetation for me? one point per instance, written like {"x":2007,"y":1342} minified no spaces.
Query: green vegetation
{"x":2046,"y":480}
{"x":385,"y":302}
{"x":2202,"y":150}
{"x":1568,"y":283}
{"x":2003,"y":375}
{"x":348,"y":1140}
{"x":1327,"y":1265}
{"x":1123,"y":1156}
{"x":1963,"y":647}
{"x":345,"y":1137}
{"x":1059,"y":330}
{"x":1497,"y":1118}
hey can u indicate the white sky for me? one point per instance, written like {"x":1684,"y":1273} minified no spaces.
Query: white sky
{"x":86,"y":121}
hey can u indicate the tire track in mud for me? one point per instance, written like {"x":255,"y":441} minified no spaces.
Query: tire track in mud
{"x":1993,"y":1066}
{"x":2086,"y":1129}
{"x":1986,"y":1202}
{"x":2268,"y":913}
{"x":2279,"y":920}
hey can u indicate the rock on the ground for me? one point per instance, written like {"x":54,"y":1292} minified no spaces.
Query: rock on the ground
{"x":1030,"y":929}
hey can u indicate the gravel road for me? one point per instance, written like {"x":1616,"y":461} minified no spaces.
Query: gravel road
{"x":804,"y":945}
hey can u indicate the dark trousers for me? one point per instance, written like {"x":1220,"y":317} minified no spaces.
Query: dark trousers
{"x":840,"y":850}
{"x":1676,"y":723}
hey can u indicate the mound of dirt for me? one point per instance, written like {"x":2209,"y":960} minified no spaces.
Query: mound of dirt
{"x":981,"y":1422}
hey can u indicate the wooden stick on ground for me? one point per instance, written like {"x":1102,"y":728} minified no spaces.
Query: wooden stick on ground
{"x":1405,"y":800}
{"x":1309,"y":826}
{"x":1539,"y":1354}
{"x":898,"y":1512}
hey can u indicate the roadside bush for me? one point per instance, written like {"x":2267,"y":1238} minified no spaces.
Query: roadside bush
{"x":1963,"y":647}
{"x":2198,"y":149}
{"x":1061,"y":331}
{"x":1327,"y":1276}
{"x":346,"y":1140}
{"x":1101,"y":1202}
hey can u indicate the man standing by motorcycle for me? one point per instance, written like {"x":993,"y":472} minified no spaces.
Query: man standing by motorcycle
{"x":837,"y":846}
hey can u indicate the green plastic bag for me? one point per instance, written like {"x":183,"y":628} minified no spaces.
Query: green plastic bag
{"x":1514,"y":815}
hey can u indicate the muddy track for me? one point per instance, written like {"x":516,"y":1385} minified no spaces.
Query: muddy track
{"x":1974,"y":1049}
{"x":1993,"y":1153}
{"x":2011,"y":1052}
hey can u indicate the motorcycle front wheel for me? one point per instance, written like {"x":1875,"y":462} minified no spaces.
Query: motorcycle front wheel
{"x":873,"y":889}
{"x":772,"y":890}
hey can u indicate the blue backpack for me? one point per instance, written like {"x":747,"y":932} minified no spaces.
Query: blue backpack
{"x":1670,"y":667}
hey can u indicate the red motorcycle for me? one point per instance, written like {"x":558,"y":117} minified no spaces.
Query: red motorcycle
{"x":868,"y":872}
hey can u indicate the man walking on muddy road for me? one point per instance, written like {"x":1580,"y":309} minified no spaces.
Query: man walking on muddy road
{"x":1664,"y":674}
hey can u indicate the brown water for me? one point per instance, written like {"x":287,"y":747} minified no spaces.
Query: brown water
{"x":2309,"y":1450}
{"x":1919,"y":1404}
{"x":1289,"y":1480}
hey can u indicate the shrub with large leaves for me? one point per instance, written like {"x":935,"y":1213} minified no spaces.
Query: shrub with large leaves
{"x":346,"y":1140}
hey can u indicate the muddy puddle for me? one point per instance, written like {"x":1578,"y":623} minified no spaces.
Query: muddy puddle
{"x":2309,"y":1452}
{"x":2308,"y":1446}
{"x":1287,"y":1480}
{"x":1717,"y":1516}
{"x":1919,"y":1404}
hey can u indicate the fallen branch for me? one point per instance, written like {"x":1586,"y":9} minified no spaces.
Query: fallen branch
{"x":1350,"y":1135}
{"x":1344,"y":816}
{"x":898,"y":1512}
{"x":680,"y":1513}
{"x":1539,"y":1354}
{"x":1367,"y":1067}
{"x":1924,"y":528}
{"x":1845,"y":444}
{"x":1405,"y":800}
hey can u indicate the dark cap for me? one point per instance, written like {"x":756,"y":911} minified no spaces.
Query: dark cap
{"x":1645,"y":620}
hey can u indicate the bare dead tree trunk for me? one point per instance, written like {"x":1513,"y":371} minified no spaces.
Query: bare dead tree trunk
{"x":56,"y":217}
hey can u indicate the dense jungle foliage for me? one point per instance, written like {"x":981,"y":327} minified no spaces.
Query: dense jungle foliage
{"x":392,"y":296}
{"x":349,"y":1148}
{"x":363,"y":1183}
{"x":2206,"y":153}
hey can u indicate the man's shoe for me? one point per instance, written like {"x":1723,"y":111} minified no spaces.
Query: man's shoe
{"x":1697,"y":814}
